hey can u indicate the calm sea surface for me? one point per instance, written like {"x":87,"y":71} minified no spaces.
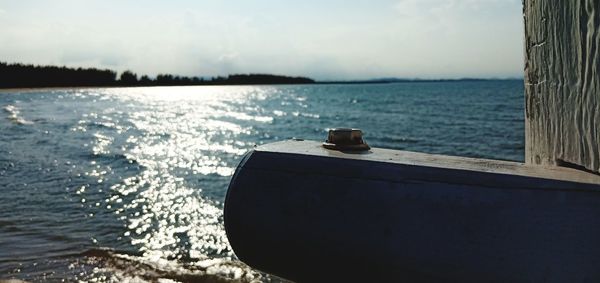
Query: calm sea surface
{"x":128,"y":183}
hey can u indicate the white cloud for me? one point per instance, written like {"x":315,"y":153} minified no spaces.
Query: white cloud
{"x":417,"y":38}
{"x":460,"y":37}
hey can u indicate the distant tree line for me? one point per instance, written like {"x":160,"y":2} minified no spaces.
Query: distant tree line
{"x":18,"y":75}
{"x":25,"y":76}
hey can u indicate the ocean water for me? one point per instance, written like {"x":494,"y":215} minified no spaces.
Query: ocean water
{"x":127,"y":184}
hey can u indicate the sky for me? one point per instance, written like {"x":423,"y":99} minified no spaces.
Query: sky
{"x":321,"y":39}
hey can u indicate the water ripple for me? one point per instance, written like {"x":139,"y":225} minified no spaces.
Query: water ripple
{"x":127,"y":184}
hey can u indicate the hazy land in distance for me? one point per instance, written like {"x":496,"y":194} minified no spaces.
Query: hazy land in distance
{"x":17,"y":75}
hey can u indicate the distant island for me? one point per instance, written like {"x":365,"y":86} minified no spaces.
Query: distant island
{"x":30,"y":76}
{"x":416,"y":80}
{"x":16,"y":75}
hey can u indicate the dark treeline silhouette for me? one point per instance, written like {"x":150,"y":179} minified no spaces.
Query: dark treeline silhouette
{"x":18,"y":75}
{"x":266,"y":79}
{"x":25,"y":76}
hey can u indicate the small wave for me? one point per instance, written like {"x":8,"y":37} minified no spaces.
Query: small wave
{"x":396,"y":139}
{"x":307,"y":115}
{"x":105,"y":253}
{"x":102,"y":125}
{"x":12,"y":280}
{"x":514,"y":146}
{"x":127,"y":265}
{"x":111,"y":158}
{"x":13,"y":115}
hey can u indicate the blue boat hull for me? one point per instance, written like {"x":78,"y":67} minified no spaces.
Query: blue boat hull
{"x":316,"y":218}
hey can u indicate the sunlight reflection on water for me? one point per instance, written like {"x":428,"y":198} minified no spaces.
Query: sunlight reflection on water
{"x":127,"y":184}
{"x":181,"y":128}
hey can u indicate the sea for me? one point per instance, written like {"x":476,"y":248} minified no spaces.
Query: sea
{"x":128,"y":184}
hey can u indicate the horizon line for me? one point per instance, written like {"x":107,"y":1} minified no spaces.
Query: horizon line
{"x":383,"y":79}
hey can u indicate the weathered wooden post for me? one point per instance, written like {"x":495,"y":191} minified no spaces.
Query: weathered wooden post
{"x":562,"y":83}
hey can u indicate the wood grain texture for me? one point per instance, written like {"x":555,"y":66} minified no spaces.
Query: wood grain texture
{"x":562,"y":83}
